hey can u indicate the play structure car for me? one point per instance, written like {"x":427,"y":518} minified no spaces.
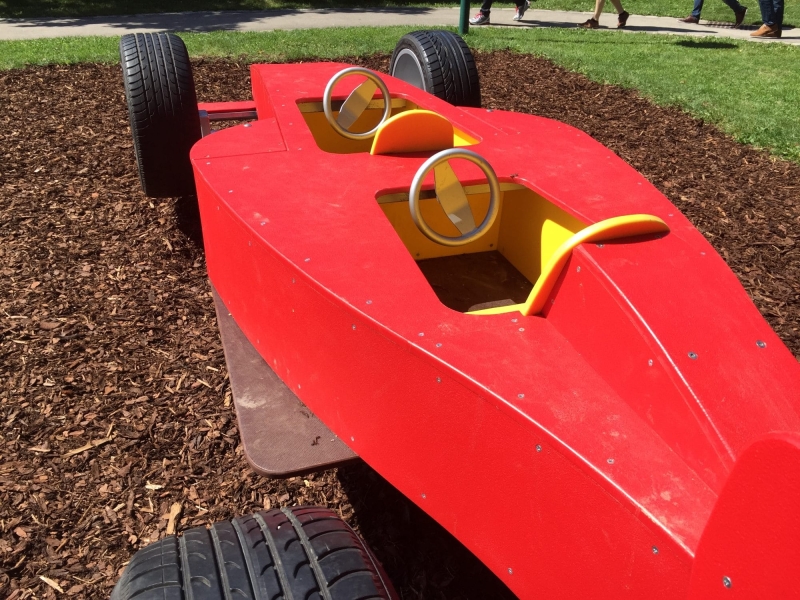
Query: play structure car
{"x":462,"y":296}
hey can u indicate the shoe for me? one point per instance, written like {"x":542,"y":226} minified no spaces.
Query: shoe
{"x":521,"y":10}
{"x":479,"y":19}
{"x":691,"y":19}
{"x":765,"y":31}
{"x":740,"y":14}
{"x":590,"y":24}
{"x":622,"y":19}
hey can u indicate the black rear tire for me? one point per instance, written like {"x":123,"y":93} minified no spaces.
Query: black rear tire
{"x":162,"y":106}
{"x":439,"y":62}
{"x":300,"y":552}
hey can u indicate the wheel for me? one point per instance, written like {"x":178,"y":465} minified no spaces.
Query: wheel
{"x":439,"y":62}
{"x":452,"y":198}
{"x":162,"y":106}
{"x":300,"y":552}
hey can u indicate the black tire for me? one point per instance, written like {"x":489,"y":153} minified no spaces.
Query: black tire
{"x":297,"y":553}
{"x":162,"y":106}
{"x":439,"y":62}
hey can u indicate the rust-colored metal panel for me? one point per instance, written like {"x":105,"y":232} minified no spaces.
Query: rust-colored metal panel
{"x":280,"y":435}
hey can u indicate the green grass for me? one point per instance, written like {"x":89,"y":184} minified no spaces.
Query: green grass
{"x":749,"y":90}
{"x":714,"y":9}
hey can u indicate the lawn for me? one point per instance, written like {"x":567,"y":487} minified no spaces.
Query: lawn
{"x":749,"y":90}
{"x":713,"y":10}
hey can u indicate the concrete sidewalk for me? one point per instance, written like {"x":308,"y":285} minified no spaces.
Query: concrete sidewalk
{"x":19,"y":29}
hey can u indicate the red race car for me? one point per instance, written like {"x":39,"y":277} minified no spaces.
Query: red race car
{"x":461,"y":295}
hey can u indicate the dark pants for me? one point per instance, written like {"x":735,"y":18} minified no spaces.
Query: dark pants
{"x":486,"y":7}
{"x":771,"y":12}
{"x":733,"y":4}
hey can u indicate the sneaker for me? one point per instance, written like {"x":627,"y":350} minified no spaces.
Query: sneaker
{"x":740,"y":15}
{"x":690,"y":19}
{"x":521,"y":10}
{"x":590,"y":24}
{"x":622,"y":19}
{"x":479,"y":19}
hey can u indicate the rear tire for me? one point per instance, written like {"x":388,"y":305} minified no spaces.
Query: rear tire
{"x":439,"y":62}
{"x":300,"y":552}
{"x":162,"y":106}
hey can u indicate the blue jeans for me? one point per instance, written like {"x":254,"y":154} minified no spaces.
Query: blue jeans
{"x":733,"y":4}
{"x":771,"y":12}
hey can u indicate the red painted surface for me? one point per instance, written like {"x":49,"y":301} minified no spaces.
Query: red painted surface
{"x":614,"y":464}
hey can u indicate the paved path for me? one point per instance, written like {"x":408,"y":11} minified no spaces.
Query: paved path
{"x":18,"y":29}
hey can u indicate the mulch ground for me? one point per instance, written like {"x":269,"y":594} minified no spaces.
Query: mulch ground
{"x":114,"y":403}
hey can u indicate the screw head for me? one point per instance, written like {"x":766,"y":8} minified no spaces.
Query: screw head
{"x":439,"y":344}
{"x":726,"y":581}
{"x":438,"y":380}
{"x":611,"y":461}
{"x":510,"y":571}
{"x":761,"y":344}
{"x":693,"y":355}
{"x":520,"y":396}
{"x":655,"y":550}
{"x":578,"y":269}
{"x":538,"y":447}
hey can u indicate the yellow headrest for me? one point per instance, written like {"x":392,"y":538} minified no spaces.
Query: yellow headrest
{"x":413,"y":131}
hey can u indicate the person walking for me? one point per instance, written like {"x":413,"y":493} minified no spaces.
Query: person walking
{"x":482,"y":18}
{"x":772,"y":17}
{"x":739,"y":12}
{"x":594,"y":22}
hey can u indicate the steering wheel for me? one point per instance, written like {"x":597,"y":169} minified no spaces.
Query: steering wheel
{"x":452,"y":198}
{"x":356,"y":103}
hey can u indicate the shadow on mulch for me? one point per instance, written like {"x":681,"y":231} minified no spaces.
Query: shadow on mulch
{"x":114,"y":397}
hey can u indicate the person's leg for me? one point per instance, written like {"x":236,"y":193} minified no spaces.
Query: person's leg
{"x":777,"y":13}
{"x":698,"y":8}
{"x":486,"y":7}
{"x":767,"y":15}
{"x":598,"y":8}
{"x":734,"y":5}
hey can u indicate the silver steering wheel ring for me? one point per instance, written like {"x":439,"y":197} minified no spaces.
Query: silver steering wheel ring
{"x":356,"y":102}
{"x":416,"y":187}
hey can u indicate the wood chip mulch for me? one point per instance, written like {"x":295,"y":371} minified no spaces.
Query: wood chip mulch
{"x":117,"y":424}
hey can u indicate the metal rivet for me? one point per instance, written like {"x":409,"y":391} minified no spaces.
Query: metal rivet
{"x":230,"y":191}
{"x":599,"y":245}
{"x":761,"y":344}
{"x":298,"y":386}
{"x":510,"y":572}
{"x":611,"y":461}
{"x":439,"y":345}
{"x":650,"y":363}
{"x":693,"y":355}
{"x":292,"y":279}
{"x":579,"y":269}
{"x":514,"y":320}
{"x":655,"y":550}
{"x":263,"y":223}
{"x":306,"y":260}
{"x":538,"y":448}
{"x":421,"y":334}
{"x":669,"y":215}
{"x":354,"y":327}
{"x":352,"y":439}
{"x":424,"y":496}
{"x":726,"y":581}
{"x":247,"y":125}
{"x":438,"y":380}
{"x":520,"y":396}
{"x":208,"y":163}
{"x":522,"y":329}
{"x":369,"y":301}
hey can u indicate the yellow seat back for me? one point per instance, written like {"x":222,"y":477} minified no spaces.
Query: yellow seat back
{"x":413,"y":131}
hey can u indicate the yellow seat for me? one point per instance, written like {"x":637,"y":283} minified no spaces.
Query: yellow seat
{"x":413,"y":131}
{"x":610,"y":229}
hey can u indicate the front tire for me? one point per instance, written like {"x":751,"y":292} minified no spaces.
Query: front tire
{"x":300,"y":552}
{"x":162,"y":106}
{"x":439,"y":62}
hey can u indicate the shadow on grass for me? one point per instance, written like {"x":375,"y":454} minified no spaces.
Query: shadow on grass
{"x":703,"y":44}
